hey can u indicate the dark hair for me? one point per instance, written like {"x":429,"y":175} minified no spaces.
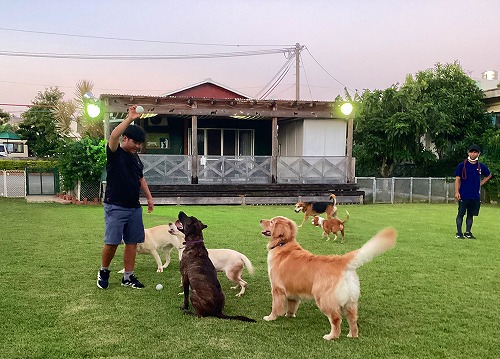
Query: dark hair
{"x":135,"y":132}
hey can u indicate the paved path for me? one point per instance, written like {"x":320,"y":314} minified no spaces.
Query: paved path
{"x":46,"y":199}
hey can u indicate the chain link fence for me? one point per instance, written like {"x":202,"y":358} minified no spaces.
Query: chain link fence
{"x":377,"y":190}
{"x":13,"y":184}
{"x":407,"y":189}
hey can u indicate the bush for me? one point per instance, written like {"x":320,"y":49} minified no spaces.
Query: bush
{"x":82,"y":161}
{"x":22,"y":164}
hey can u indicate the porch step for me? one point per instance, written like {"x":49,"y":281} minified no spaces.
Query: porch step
{"x":275,"y":193}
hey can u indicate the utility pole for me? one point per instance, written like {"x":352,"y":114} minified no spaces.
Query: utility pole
{"x":298,"y":48}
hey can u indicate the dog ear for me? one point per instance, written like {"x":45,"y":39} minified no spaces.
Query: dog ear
{"x":283,"y":229}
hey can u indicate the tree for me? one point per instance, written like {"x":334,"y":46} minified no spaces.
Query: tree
{"x":4,"y":117}
{"x":39,"y":124}
{"x":420,"y":128}
{"x":66,"y":112}
{"x":455,"y":113}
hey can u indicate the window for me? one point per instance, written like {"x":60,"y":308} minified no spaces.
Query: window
{"x":223,"y":142}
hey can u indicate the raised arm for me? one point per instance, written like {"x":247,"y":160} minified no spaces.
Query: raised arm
{"x":114,"y":138}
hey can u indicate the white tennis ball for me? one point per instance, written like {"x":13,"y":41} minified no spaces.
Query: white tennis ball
{"x":139,"y":109}
{"x":159,"y":287}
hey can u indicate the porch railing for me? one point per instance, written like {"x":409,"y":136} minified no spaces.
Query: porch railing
{"x":176,"y":169}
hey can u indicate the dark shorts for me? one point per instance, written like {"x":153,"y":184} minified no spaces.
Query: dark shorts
{"x":123,"y":223}
{"x":471,"y":206}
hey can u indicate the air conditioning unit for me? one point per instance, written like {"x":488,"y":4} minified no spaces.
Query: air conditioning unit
{"x":157,"y":121}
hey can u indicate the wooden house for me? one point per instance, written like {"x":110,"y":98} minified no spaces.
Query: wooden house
{"x":210,"y":136}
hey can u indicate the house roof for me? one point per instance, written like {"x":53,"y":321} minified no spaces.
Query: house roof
{"x":211,"y":99}
{"x":235,"y":108}
{"x":207,"y":88}
{"x":7,"y":135}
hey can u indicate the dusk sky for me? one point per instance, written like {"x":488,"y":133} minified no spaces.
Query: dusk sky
{"x":364,"y":44}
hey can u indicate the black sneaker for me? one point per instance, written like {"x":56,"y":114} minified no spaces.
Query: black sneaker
{"x":459,"y":236}
{"x":132,"y":282}
{"x":103,"y":278}
{"x":469,"y":235}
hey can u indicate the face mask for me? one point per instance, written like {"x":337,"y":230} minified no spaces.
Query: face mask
{"x":471,"y":160}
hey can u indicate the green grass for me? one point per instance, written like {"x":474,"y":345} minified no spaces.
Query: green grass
{"x":432,"y":296}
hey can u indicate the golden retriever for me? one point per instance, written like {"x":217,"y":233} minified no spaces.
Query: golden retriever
{"x":331,"y":280}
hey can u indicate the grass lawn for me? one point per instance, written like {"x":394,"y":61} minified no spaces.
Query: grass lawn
{"x":432,"y":296}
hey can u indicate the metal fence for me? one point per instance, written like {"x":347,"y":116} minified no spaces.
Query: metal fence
{"x":407,"y":189}
{"x":172,"y":169}
{"x":12,"y":184}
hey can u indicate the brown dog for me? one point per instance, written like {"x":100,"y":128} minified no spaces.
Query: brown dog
{"x":229,"y":261}
{"x":331,"y":281}
{"x":331,"y":225}
{"x":199,"y":274}
{"x":315,"y":208}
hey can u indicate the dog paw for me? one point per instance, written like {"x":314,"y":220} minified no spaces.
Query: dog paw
{"x":328,"y":337}
{"x":269,"y":317}
{"x":290,"y":315}
{"x":159,"y":270}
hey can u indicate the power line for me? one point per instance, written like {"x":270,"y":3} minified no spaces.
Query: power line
{"x":134,"y":40}
{"x":143,"y":57}
{"x":345,"y":86}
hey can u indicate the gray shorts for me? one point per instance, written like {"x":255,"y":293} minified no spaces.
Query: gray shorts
{"x":123,"y":223}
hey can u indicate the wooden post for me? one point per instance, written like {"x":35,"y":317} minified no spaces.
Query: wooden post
{"x":349,"y":167}
{"x":274,"y":151}
{"x":194,"y":148}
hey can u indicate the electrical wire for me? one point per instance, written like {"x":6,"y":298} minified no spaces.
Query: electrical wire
{"x":144,"y":57}
{"x":287,"y":63}
{"x":136,"y":40}
{"x":305,"y":75}
{"x":345,"y":86}
{"x":277,"y":82}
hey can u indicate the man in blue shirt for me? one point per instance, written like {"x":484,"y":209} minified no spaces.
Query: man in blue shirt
{"x":470,"y":175}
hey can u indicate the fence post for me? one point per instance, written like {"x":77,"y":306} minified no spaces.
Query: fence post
{"x":5,"y":182}
{"x":430,"y":189}
{"x":411,"y":189}
{"x":393,"y":181}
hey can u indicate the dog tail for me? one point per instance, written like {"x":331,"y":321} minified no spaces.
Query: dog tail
{"x":333,"y":199}
{"x":347,"y":218}
{"x":237,"y":317}
{"x":247,"y":263}
{"x":378,"y":244}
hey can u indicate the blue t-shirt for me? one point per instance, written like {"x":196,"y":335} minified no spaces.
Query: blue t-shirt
{"x":124,"y":171}
{"x":470,"y":179}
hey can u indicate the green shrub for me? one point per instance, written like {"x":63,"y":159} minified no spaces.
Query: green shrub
{"x":22,"y":164}
{"x":82,"y":161}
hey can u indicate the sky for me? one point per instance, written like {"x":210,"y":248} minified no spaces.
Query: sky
{"x":358,"y":45}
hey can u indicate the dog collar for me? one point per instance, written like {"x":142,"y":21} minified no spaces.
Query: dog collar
{"x":193,"y":242}
{"x":280,"y":244}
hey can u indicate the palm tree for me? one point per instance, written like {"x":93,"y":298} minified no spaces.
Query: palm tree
{"x":70,"y":111}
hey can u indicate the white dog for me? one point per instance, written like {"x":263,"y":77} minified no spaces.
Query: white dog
{"x":160,"y":238}
{"x":228,"y":261}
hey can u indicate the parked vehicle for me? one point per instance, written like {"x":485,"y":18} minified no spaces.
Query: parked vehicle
{"x":3,"y":150}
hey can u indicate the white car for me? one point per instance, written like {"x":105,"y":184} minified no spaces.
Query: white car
{"x":3,"y":150}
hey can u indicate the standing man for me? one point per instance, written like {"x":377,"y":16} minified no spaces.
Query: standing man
{"x":122,"y":210}
{"x":470,"y":175}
